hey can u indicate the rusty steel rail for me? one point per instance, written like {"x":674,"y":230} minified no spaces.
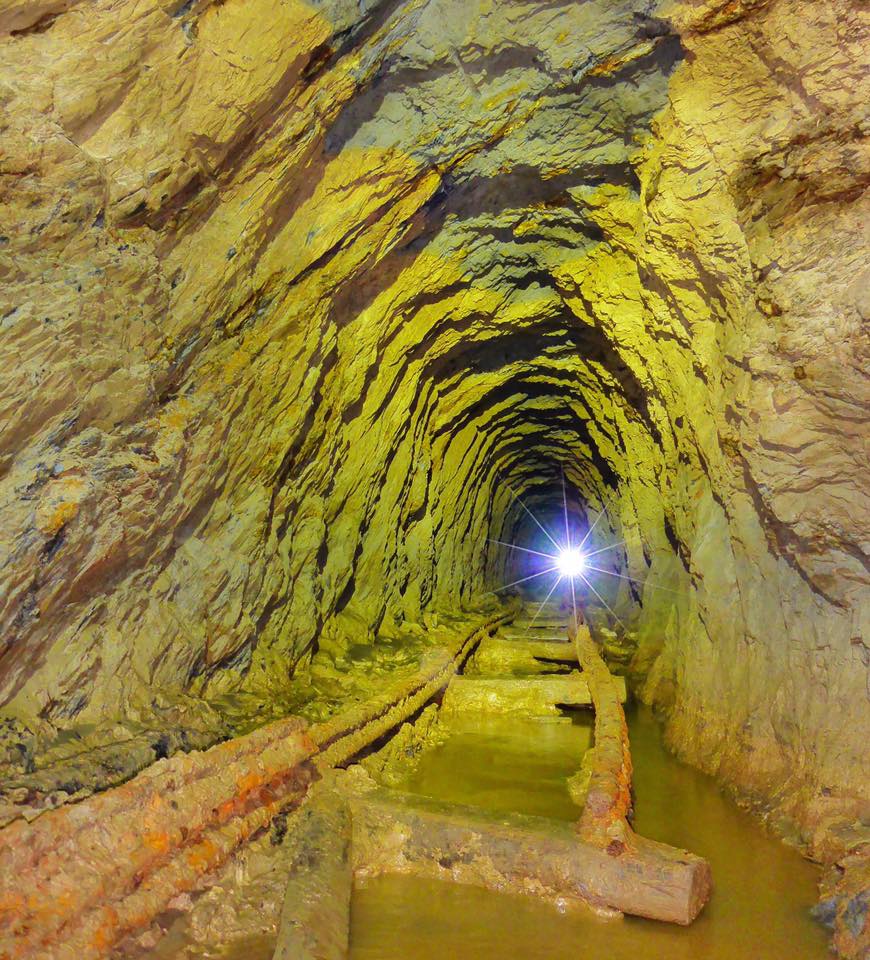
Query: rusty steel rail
{"x":78,"y":879}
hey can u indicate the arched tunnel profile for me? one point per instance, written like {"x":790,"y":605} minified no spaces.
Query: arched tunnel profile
{"x":433,"y":479}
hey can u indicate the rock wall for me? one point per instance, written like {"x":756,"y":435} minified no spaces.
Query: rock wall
{"x":294,"y":295}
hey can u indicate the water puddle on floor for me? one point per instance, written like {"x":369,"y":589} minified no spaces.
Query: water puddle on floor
{"x":762,"y":889}
{"x":505,"y":765}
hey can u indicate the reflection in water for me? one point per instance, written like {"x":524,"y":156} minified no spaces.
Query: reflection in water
{"x":762,"y":893}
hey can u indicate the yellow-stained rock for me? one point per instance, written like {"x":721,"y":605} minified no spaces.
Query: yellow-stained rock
{"x":294,"y":295}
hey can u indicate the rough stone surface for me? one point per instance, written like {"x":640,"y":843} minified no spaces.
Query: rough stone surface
{"x":294,"y":294}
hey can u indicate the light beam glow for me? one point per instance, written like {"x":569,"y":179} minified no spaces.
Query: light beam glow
{"x":571,"y":562}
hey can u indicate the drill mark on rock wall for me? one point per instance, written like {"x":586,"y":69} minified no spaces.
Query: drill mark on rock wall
{"x":375,"y":20}
{"x":44,"y":23}
{"x":679,"y":549}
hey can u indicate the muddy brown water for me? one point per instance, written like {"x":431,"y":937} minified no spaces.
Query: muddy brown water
{"x":763,"y":889}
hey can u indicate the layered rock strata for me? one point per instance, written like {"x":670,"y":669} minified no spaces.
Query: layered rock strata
{"x":296,"y":296}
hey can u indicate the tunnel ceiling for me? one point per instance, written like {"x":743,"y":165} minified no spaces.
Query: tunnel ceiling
{"x":295,"y":295}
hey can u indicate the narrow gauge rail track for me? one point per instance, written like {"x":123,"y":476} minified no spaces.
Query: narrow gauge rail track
{"x":78,"y":880}
{"x":599,"y":860}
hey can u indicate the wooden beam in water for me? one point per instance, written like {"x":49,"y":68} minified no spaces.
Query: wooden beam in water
{"x":497,"y":655}
{"x":78,"y":879}
{"x":400,"y":833}
{"x":315,"y":918}
{"x":521,"y":696}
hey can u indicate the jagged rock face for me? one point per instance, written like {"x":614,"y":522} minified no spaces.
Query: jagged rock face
{"x":295,"y":294}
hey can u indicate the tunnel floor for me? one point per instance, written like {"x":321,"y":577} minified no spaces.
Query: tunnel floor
{"x":504,"y":765}
{"x":763,"y":890}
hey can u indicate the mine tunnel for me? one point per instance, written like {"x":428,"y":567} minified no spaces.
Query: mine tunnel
{"x":433,"y":461}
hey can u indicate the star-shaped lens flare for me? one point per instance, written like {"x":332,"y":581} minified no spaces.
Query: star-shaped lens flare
{"x":569,"y":561}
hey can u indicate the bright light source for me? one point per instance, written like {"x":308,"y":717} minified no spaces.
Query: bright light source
{"x":571,"y":563}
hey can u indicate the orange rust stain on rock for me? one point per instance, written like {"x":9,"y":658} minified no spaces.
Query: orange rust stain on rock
{"x":200,"y":857}
{"x":59,"y":516}
{"x":159,"y":842}
{"x":104,"y":935}
{"x":248,"y":782}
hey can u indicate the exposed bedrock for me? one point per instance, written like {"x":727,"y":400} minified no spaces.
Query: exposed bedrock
{"x":295,"y":294}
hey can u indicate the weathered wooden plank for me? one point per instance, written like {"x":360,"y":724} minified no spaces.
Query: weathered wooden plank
{"x":85,"y":874}
{"x":607,"y":766}
{"x":526,"y":696}
{"x":553,"y":636}
{"x":400,"y":833}
{"x":78,"y":879}
{"x":315,"y":918}
{"x":498,"y":655}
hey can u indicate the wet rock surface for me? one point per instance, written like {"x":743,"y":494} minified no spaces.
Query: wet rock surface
{"x":294,"y":295}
